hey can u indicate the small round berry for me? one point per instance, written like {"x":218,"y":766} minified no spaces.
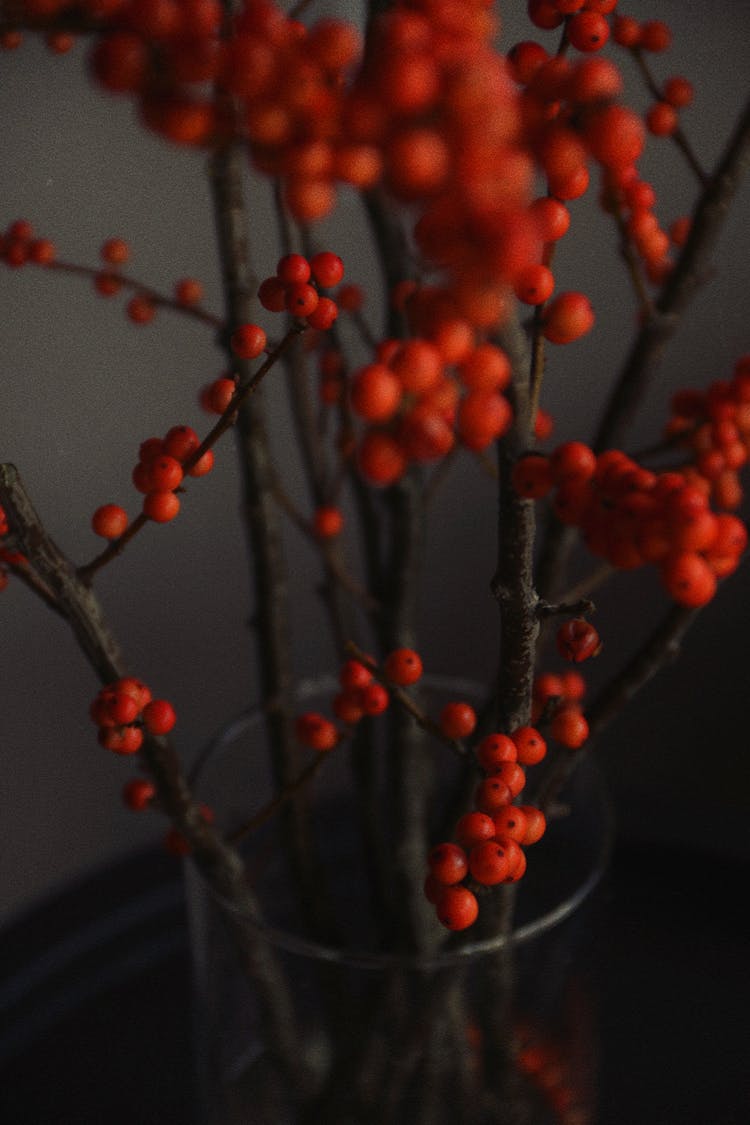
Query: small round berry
{"x":216,"y":397}
{"x":492,"y":794}
{"x":474,"y":827}
{"x":121,"y":740}
{"x":588,"y":31}
{"x":512,"y":774}
{"x":347,"y":706}
{"x":293,"y":269}
{"x":115,"y":251}
{"x":577,"y":640}
{"x":568,"y":317}
{"x":531,"y":747}
{"x":161,"y":507}
{"x":272,"y":294}
{"x":534,"y":284}
{"x":159,"y":716}
{"x":301,"y":299}
{"x":109,"y":521}
{"x":327,"y":268}
{"x":323,"y":315}
{"x":457,"y":720}
{"x":248,"y":341}
{"x":457,"y":908}
{"x":374,"y":698}
{"x":536,"y":824}
{"x":141,"y":309}
{"x":129,"y":685}
{"x":448,"y":863}
{"x":531,"y":476}
{"x":138,"y":793}
{"x":493,"y":750}
{"x":316,"y":731}
{"x":165,"y":473}
{"x":489,"y":863}
{"x":354,"y":674}
{"x":403,"y":666}
{"x":180,"y":442}
{"x":327,"y":522}
{"x":569,"y":727}
{"x":188,"y":291}
{"x":376,"y":392}
{"x":511,"y":821}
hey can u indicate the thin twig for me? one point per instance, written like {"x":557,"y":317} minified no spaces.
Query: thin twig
{"x":219,"y":864}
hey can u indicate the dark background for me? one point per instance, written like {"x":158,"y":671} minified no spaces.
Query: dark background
{"x":82,"y":387}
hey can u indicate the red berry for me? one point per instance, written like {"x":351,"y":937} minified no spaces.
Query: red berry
{"x":109,"y":521}
{"x":316,"y":731}
{"x":493,"y":750}
{"x":188,"y":292}
{"x":165,"y":473}
{"x":293,"y":269}
{"x":115,"y":251}
{"x":129,"y":685}
{"x":272,"y":294}
{"x":569,"y":727}
{"x":457,"y":720}
{"x":327,"y":268}
{"x":530,"y":745}
{"x":489,"y":862}
{"x":354,"y":675}
{"x":403,"y":666}
{"x":323,"y":315}
{"x":577,"y":640}
{"x":327,"y":522}
{"x":121,"y":740}
{"x":531,"y":476}
{"x":159,"y":716}
{"x":534,"y":284}
{"x":180,"y":442}
{"x":457,"y":908}
{"x":588,"y":31}
{"x":215,"y":397}
{"x":374,"y":698}
{"x":301,"y":299}
{"x":448,"y":863}
{"x":492,"y":794}
{"x":141,"y":309}
{"x":161,"y":507}
{"x":248,"y":341}
{"x":536,"y":824}
{"x":376,"y":392}
{"x":510,"y":821}
{"x":473,"y":828}
{"x":138,"y":793}
{"x":568,"y":317}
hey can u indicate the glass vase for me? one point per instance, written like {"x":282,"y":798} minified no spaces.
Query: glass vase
{"x":339,"y":1015}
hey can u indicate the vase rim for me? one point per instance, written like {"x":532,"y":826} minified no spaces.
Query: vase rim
{"x":458,"y":950}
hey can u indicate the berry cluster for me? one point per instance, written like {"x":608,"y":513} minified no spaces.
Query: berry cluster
{"x":19,"y":246}
{"x":361,"y":694}
{"x":714,"y":425}
{"x":419,"y":396}
{"x":159,"y":471}
{"x":631,"y":516}
{"x":125,"y":709}
{"x":294,"y":288}
{"x":557,"y":703}
{"x":489,"y":840}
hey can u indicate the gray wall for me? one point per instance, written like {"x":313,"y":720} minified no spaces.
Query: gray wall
{"x":82,"y":387}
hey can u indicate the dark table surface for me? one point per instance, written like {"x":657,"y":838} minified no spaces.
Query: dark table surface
{"x":94,"y":1026}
